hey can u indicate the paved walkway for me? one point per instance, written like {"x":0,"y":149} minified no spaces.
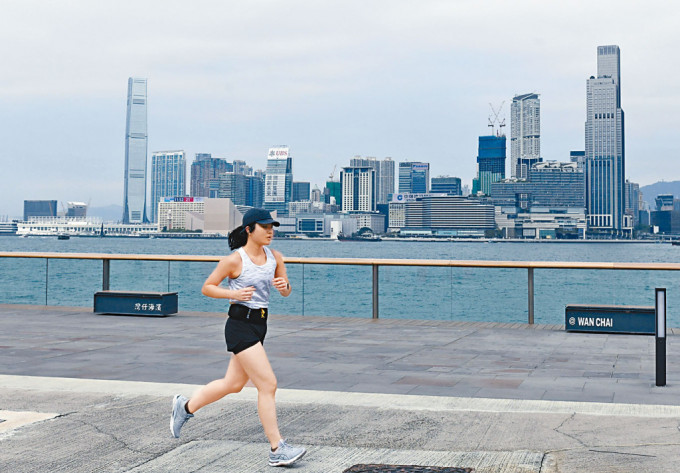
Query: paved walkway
{"x":491,"y":396}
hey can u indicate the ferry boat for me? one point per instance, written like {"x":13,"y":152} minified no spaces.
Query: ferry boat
{"x":8,"y":228}
{"x":342,"y":237}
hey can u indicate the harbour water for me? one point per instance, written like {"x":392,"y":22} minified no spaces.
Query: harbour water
{"x":473,"y":294}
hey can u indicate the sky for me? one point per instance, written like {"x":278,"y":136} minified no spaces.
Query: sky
{"x":412,"y":80}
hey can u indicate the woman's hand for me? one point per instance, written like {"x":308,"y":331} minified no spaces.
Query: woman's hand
{"x":282,"y":285}
{"x":244,"y":294}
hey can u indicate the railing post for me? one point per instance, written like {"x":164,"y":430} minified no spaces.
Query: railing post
{"x":375,"y":291}
{"x":47,"y":272}
{"x":531,"y":296}
{"x":106,"y":272}
{"x":303,"y":288}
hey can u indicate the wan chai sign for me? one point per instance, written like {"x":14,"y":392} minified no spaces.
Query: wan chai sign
{"x":610,"y":319}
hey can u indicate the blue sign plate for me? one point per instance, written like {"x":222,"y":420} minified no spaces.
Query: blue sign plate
{"x":638,"y":320}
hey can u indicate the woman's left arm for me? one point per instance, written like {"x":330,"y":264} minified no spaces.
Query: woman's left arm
{"x":280,"y":281}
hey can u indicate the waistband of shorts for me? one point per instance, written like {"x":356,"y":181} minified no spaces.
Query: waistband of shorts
{"x":241,"y":312}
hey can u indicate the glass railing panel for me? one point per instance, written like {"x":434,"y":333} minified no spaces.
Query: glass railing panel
{"x":462,"y":294}
{"x":138,"y":275}
{"x":187,"y":278}
{"x":22,"y":280}
{"x":336,"y":290}
{"x":73,"y":282}
{"x":554,"y":289}
{"x":490,"y":295}
{"x":293,"y":304}
{"x":415,"y":292}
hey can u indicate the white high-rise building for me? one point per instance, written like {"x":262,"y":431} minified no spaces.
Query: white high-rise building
{"x":384,"y":175}
{"x":525,"y":139}
{"x":358,"y":189}
{"x":134,"y":205}
{"x":168,"y":178}
{"x":604,"y":136}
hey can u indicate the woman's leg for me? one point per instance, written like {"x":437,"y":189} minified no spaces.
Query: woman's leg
{"x":233,"y":382}
{"x":255,"y":363}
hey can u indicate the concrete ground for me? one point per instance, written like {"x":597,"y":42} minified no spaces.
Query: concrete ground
{"x":86,"y":392}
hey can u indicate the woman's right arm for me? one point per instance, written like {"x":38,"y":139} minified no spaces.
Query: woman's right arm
{"x":228,"y":266}
{"x":211,"y":286}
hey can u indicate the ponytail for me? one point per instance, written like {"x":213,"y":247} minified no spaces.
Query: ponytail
{"x":239,"y":236}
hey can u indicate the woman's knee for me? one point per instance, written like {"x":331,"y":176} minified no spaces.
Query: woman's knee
{"x":268,"y":386}
{"x":233,"y":387}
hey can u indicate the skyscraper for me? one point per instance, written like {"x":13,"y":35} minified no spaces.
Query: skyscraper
{"x":134,"y":206}
{"x":333,"y":193}
{"x":278,"y":184}
{"x":205,"y":175}
{"x":301,"y":191}
{"x":386,"y":180}
{"x":168,"y":178}
{"x":414,"y":178}
{"x":634,"y":201}
{"x":254,"y":190}
{"x":525,"y":136}
{"x":490,"y":162}
{"x":604,"y":137}
{"x":233,"y":186}
{"x":241,"y":167}
{"x":358,"y":189}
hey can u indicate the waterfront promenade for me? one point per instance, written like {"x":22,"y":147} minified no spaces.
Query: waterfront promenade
{"x":93,"y":393}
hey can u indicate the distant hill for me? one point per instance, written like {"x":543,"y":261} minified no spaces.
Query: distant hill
{"x":110,"y":213}
{"x":650,"y":192}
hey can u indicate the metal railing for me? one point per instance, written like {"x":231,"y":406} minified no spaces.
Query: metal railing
{"x":530,"y":266}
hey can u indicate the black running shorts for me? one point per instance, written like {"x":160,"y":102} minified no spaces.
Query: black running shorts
{"x":241,"y":334}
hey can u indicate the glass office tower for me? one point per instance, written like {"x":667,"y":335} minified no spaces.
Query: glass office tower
{"x":414,"y":178}
{"x":278,"y":191}
{"x":604,"y":137}
{"x":301,"y":191}
{"x":490,"y":162}
{"x":134,"y":206}
{"x":447,"y":185}
{"x":39,"y":208}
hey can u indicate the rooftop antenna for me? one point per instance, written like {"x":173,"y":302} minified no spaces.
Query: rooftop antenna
{"x":494,"y":118}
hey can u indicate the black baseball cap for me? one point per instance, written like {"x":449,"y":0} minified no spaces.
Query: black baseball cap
{"x":255,"y":215}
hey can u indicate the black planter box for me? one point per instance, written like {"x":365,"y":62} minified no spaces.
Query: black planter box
{"x":155,"y":304}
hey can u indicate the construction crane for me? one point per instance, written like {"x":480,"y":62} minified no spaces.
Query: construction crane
{"x":332,"y":175}
{"x":495,"y":119}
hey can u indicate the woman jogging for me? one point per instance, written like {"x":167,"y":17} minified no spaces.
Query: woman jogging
{"x":252,"y":269}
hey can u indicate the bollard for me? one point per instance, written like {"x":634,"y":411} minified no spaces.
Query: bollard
{"x":660,"y":310}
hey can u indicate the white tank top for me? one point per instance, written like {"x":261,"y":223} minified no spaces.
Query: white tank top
{"x":260,"y":277}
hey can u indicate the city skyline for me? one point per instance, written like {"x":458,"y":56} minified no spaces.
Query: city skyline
{"x":407,"y":83}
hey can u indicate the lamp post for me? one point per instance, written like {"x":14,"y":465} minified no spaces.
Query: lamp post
{"x":660,"y":310}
